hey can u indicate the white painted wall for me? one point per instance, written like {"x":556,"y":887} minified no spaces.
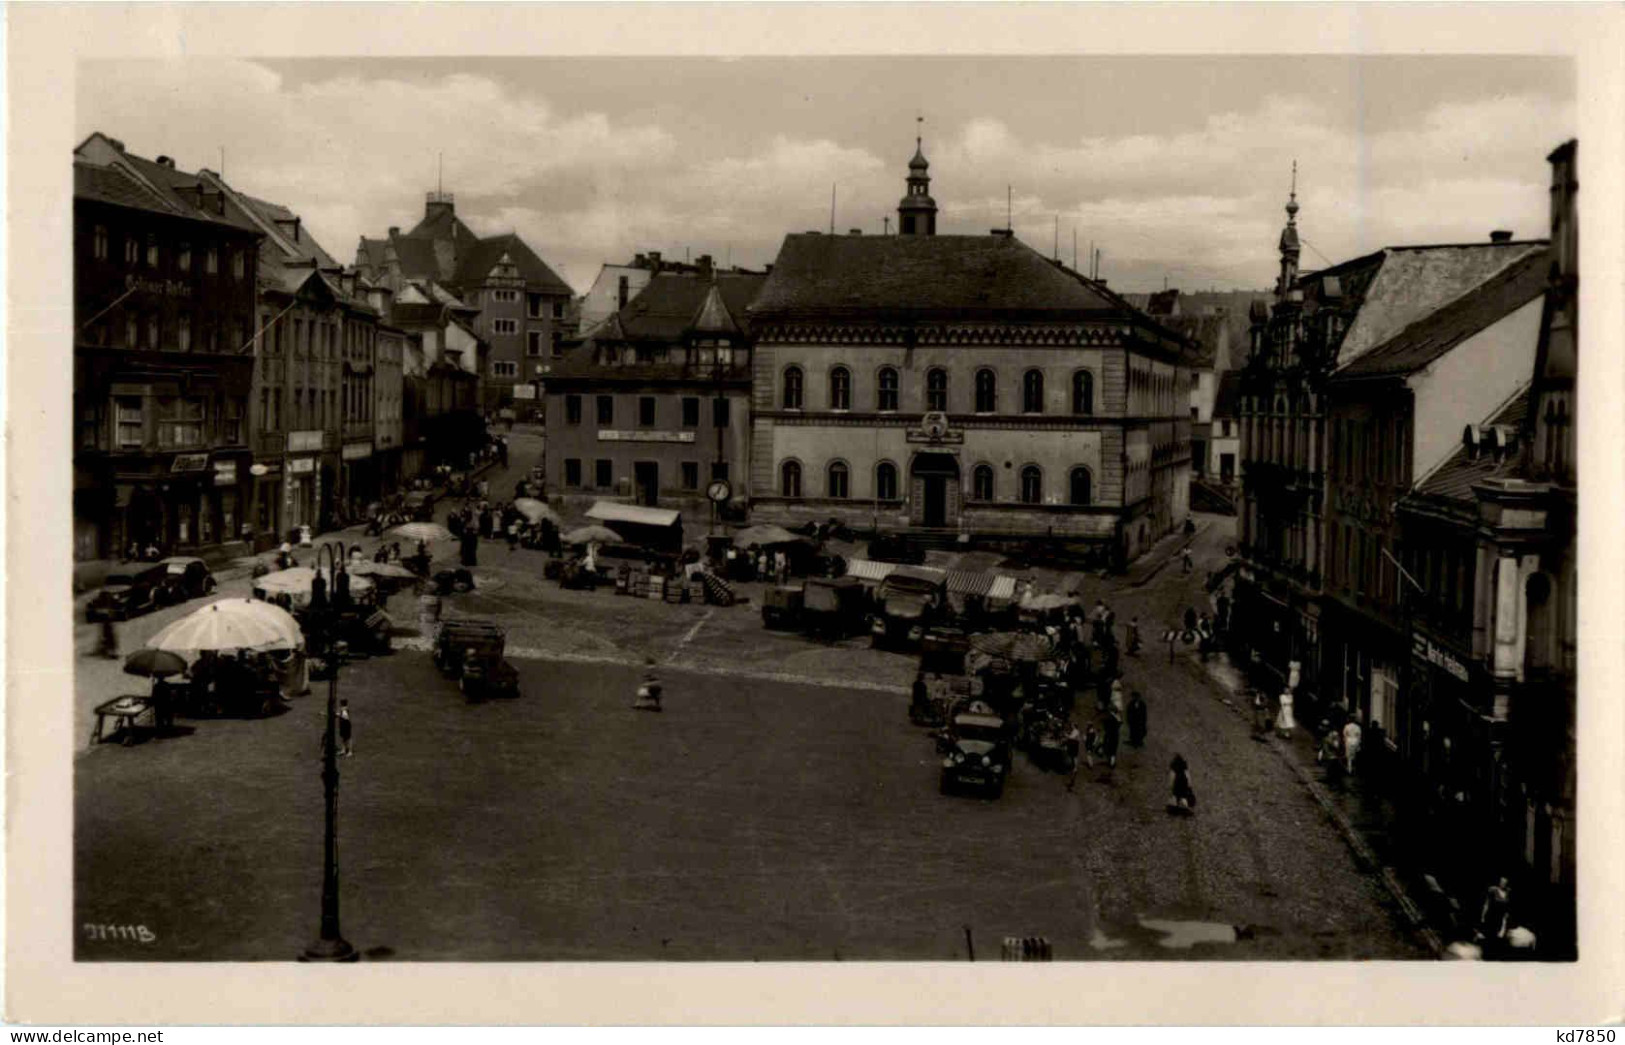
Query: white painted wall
{"x":1468,"y":383}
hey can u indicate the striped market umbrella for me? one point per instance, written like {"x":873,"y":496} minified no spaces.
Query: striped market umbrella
{"x":1014,"y":645}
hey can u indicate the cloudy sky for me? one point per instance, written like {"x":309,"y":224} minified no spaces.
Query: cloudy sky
{"x":1175,"y":167}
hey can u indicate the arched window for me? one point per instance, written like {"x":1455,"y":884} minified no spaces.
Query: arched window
{"x":1032,"y":485}
{"x":1083,"y":392}
{"x":887,"y":385}
{"x":982,"y":483}
{"x":792,"y":388}
{"x":885,"y":481}
{"x":790,"y":479}
{"x":837,"y":486}
{"x":840,"y":389}
{"x":1032,"y":392}
{"x":1080,"y":485}
{"x":936,"y":389}
{"x":987,"y":391}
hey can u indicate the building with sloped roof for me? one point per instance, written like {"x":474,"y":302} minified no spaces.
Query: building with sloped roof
{"x":654,"y":406}
{"x":1320,"y":325}
{"x":164,"y":303}
{"x":963,"y":384}
{"x":524,"y":312}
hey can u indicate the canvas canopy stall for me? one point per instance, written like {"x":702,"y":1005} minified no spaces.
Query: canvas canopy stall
{"x":656,"y":528}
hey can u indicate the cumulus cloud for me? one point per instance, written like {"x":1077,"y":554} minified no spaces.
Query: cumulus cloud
{"x":353,"y":153}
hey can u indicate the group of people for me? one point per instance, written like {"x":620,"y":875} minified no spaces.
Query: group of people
{"x":757,"y":564}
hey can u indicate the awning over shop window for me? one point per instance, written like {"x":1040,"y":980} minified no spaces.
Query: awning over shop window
{"x":869,"y":570}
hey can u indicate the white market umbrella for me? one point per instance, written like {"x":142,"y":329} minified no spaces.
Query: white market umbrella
{"x":591,"y":534}
{"x":422,"y":531}
{"x":379,"y":569}
{"x":230,"y":624}
{"x":535,"y":511}
{"x":297,"y":581}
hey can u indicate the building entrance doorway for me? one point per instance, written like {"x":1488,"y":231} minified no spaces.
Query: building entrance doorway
{"x":646,"y":478}
{"x":936,"y":490}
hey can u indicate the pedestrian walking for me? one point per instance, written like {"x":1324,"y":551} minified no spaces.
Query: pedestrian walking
{"x":107,"y":646}
{"x":513,"y":534}
{"x":1112,"y":738}
{"x":1262,"y":720}
{"x":1190,"y":619}
{"x":1118,"y":705}
{"x":649,"y":693}
{"x":1182,"y":795}
{"x":345,"y":728}
{"x":1376,"y":746}
{"x":1091,"y":745}
{"x":1136,"y":719}
{"x":1494,"y":914}
{"x":919,"y":700}
{"x":1351,"y":744}
{"x":1223,"y":608}
{"x":1284,"y":722}
{"x":470,"y":550}
{"x":1132,"y":639}
{"x":1204,"y":635}
{"x":1185,"y":559}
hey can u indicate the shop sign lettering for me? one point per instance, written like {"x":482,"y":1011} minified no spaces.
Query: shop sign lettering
{"x":302,"y":466}
{"x":1424,"y":650}
{"x":356,"y":451}
{"x":225,"y":473}
{"x":169,"y":288}
{"x":190,"y":463}
{"x":609,"y":435}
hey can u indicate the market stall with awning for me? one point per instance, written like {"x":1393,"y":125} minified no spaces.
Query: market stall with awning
{"x":658,"y":528}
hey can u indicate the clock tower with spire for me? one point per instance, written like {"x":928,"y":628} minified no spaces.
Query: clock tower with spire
{"x":917,"y":211}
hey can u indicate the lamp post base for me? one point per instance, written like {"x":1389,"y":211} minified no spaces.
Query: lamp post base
{"x":334,"y":950}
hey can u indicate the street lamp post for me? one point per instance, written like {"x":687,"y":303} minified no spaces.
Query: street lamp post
{"x":330,"y":945}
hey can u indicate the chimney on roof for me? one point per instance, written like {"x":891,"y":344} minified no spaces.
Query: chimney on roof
{"x":166,"y":161}
{"x":283,"y":223}
{"x":1501,"y":236}
{"x":640,"y":261}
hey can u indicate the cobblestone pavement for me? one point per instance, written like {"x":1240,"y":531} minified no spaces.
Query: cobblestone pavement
{"x":781,"y":808}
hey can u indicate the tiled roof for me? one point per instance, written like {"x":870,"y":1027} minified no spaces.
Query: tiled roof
{"x":665,"y":309}
{"x":1227,"y":399}
{"x":950,"y":276}
{"x":715,"y":318}
{"x":442,"y":224}
{"x":178,"y":186}
{"x":417,"y":257}
{"x":1414,"y":282}
{"x":417,"y":315}
{"x":1461,"y":471}
{"x":482,"y":257}
{"x":1431,"y":337}
{"x":306,"y":246}
{"x":111,"y":185}
{"x":1208,"y":332}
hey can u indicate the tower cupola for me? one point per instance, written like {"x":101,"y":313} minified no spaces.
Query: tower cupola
{"x":917,"y":211}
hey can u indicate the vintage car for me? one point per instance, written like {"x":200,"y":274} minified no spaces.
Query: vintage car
{"x":419,"y":505}
{"x":782,"y":606}
{"x":471,"y":651}
{"x":976,"y":751}
{"x":891,"y":548}
{"x":907,"y":603}
{"x":834,"y":607}
{"x":185,"y":578}
{"x":128,"y":591}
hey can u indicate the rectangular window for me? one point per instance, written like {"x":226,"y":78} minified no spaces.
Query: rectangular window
{"x":98,"y":243}
{"x":606,"y":410}
{"x":558,"y":344}
{"x":691,"y":475}
{"x":504,"y":326}
{"x":132,"y":250}
{"x":183,"y":334}
{"x":182,"y":422}
{"x":691,"y":412}
{"x":239,"y":264}
{"x":504,"y":369}
{"x":211,"y":260}
{"x":535,"y":306}
{"x":646,"y":411}
{"x":719,"y":412}
{"x":153,"y":254}
{"x":572,"y":471}
{"x":603,"y":474}
{"x":231,"y":424}
{"x":132,"y":330}
{"x":183,"y":257}
{"x":719,"y":471}
{"x":153,"y":331}
{"x":533,"y":346}
{"x":572,"y":410}
{"x":558,"y":310}
{"x":130,"y":423}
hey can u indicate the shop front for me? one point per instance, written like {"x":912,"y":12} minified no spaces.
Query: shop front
{"x":301,"y":492}
{"x":358,"y":478}
{"x":267,"y":518}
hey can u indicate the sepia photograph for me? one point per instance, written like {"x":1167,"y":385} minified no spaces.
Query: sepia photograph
{"x":913,"y":508}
